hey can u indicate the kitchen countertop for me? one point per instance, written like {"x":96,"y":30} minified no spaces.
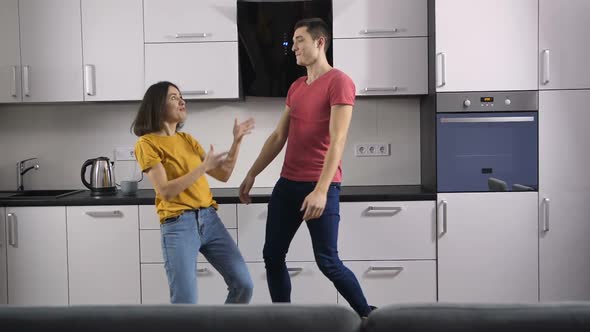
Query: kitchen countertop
{"x":229,"y":196}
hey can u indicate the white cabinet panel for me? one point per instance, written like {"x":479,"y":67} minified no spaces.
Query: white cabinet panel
{"x":485,"y":47}
{"x":148,"y":218}
{"x":389,"y":282}
{"x":379,"y":18}
{"x":489,"y":252}
{"x":201,"y":70}
{"x":151,"y":247}
{"x":103,"y":254}
{"x":51,"y":49}
{"x":190,"y":21}
{"x":112,"y":34}
{"x":308,"y":284}
{"x":3,"y":272}
{"x":37,"y":256}
{"x":10,"y":69}
{"x":564,"y":191}
{"x":252,"y":229}
{"x":384,"y":66}
{"x":564,"y":44}
{"x":387,"y":230}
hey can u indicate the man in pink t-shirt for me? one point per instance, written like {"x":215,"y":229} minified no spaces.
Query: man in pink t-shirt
{"x":314,"y":125}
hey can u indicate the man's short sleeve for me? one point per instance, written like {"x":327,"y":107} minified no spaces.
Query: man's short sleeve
{"x":342,"y":90}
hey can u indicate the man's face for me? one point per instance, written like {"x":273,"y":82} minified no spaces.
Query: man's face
{"x":305,"y":48}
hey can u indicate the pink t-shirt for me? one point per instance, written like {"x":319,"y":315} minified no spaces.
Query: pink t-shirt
{"x":309,"y":123}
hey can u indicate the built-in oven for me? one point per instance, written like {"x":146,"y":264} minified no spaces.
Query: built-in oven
{"x":487,"y":141}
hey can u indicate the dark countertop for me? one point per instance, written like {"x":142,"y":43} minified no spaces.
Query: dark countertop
{"x":229,"y":196}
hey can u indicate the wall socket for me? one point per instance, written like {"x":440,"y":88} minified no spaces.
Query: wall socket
{"x":124,"y":153}
{"x":371,"y":149}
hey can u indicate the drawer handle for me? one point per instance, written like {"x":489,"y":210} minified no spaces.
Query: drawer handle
{"x":384,"y":208}
{"x":295,"y":270}
{"x":382,"y":89}
{"x":192,"y":35}
{"x":373,"y":31}
{"x":197,"y":92}
{"x":105,"y":214}
{"x":386,"y":268}
{"x":202,"y":270}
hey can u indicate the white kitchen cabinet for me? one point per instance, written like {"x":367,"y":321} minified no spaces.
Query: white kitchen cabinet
{"x":379,"y":18}
{"x":3,"y":272}
{"x":190,"y":21}
{"x":387,"y":230}
{"x":252,"y":230}
{"x":37,"y":256}
{"x":563,"y":44}
{"x":51,"y":50}
{"x":10,"y":68}
{"x":389,"y":282}
{"x":486,"y":46}
{"x":564,"y":193}
{"x":148,"y":218}
{"x":384,"y":66}
{"x":308,"y":284}
{"x":103,"y":254}
{"x":112,"y":40}
{"x":488,"y":247}
{"x":201,"y":70}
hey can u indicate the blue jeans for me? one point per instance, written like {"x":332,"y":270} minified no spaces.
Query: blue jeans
{"x":202,"y":230}
{"x":284,"y":218}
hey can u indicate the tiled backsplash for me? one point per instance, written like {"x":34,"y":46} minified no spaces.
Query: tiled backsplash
{"x":63,"y":136}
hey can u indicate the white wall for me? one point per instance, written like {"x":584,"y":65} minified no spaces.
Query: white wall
{"x":63,"y":136}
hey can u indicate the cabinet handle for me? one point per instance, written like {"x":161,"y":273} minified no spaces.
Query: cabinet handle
{"x":192,"y":35}
{"x":295,"y":270}
{"x":386,"y":268}
{"x":89,"y":79}
{"x":13,"y":86}
{"x":443,"y":203}
{"x":387,"y":89}
{"x":105,"y":214}
{"x":202,"y":270}
{"x":12,"y":230}
{"x":26,"y":86}
{"x":546,"y":202}
{"x":384,"y":208}
{"x":441,"y":79}
{"x":546,"y":72}
{"x":196,"y":92}
{"x":374,"y":31}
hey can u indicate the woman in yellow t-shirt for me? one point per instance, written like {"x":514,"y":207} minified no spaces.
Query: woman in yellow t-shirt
{"x":176,"y":165}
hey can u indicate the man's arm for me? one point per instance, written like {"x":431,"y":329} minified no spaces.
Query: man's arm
{"x":315,"y":202}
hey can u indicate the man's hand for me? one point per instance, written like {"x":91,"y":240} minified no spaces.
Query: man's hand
{"x":313,"y":205}
{"x":245,"y":189}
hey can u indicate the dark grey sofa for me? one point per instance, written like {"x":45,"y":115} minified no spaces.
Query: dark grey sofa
{"x":558,"y":317}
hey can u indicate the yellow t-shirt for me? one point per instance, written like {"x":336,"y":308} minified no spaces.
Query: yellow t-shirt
{"x":179,"y":154}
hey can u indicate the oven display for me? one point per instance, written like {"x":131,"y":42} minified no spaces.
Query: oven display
{"x":487,"y":99}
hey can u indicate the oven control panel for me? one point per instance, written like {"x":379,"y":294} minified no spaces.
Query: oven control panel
{"x":497,"y":101}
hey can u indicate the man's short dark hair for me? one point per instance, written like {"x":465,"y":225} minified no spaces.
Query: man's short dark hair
{"x":317,"y":28}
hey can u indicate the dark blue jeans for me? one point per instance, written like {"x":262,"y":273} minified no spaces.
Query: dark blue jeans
{"x":284,"y":218}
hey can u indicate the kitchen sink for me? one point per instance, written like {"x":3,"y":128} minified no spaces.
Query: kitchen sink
{"x":38,"y":194}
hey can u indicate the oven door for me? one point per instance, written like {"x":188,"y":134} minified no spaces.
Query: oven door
{"x":482,"y":152}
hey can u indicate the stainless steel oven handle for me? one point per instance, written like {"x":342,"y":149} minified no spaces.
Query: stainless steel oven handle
{"x":489,"y":119}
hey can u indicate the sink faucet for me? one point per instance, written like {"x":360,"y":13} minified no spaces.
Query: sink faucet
{"x":21,"y":170}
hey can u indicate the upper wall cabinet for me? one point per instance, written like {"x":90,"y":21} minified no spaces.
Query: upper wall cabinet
{"x":10,"y":68}
{"x":484,"y":45}
{"x":51,"y":50}
{"x":564,"y":44}
{"x":379,"y":18}
{"x":112,"y":33}
{"x":190,"y":21}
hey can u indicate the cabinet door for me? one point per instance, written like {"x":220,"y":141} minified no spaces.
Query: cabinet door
{"x":489,"y":252}
{"x":3,"y":272}
{"x":308,"y":284}
{"x":563,"y":44}
{"x":51,"y":49}
{"x":201,"y":70}
{"x":387,"y":230}
{"x":564,"y":195}
{"x":103,"y":254}
{"x":37,"y":256}
{"x":379,"y":18}
{"x":112,"y":33}
{"x":190,"y":21}
{"x":482,"y":46}
{"x":10,"y":85}
{"x":389,"y":282}
{"x":384,"y":66}
{"x":252,"y":229}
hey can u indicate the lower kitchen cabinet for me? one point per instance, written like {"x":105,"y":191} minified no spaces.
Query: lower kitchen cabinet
{"x":103,"y":254}
{"x":488,"y":247}
{"x":36,"y":256}
{"x":3,"y":272}
{"x":388,"y":282}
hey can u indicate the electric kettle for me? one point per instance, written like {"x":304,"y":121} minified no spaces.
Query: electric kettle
{"x":102,"y":176}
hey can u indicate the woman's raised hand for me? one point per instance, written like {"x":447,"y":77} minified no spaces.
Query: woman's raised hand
{"x":242,"y":129}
